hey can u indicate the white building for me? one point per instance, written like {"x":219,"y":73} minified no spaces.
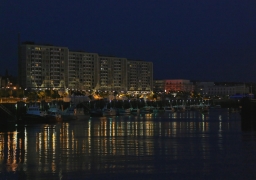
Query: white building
{"x":41,"y":65}
{"x":46,"y":66}
{"x":82,"y":70}
{"x":209,"y":88}
{"x":112,"y":73}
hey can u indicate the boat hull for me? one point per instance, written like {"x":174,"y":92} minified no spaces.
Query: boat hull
{"x":68,"y":117}
{"x":123,"y":112}
{"x":53,"y":118}
{"x":96,"y":113}
{"x":31,"y":118}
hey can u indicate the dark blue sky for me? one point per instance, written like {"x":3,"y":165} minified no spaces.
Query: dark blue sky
{"x":206,"y":40}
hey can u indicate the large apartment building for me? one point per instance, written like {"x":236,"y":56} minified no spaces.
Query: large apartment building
{"x":112,"y":73}
{"x":140,"y":76}
{"x":46,"y":66}
{"x":82,"y":70}
{"x":42,"y":66}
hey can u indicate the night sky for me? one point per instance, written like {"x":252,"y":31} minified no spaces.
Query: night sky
{"x":204,"y":40}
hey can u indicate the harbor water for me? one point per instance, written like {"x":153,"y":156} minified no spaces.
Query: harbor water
{"x":166,"y":145}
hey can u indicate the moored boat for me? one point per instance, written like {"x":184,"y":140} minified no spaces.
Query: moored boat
{"x":69,"y":114}
{"x":160,"y":109}
{"x":53,"y":114}
{"x":34,"y":114}
{"x":135,"y":110}
{"x":169,"y":109}
{"x":109,"y":112}
{"x":122,"y":111}
{"x":146,"y":110}
{"x":96,"y":113}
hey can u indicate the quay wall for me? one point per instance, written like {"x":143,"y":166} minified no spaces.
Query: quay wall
{"x":248,"y":114}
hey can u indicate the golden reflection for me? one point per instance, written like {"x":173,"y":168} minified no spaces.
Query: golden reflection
{"x":70,"y":146}
{"x":203,"y":126}
{"x":191,"y":125}
{"x":113,"y":129}
{"x":20,"y":153}
{"x":53,"y":142}
{"x":141,"y":129}
{"x":2,"y":146}
{"x":9,"y":144}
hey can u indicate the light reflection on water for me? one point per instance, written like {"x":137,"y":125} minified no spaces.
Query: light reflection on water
{"x":177,"y":144}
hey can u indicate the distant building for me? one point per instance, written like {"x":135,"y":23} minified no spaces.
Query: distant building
{"x":221,"y":89}
{"x":42,"y":66}
{"x":200,"y":87}
{"x":140,"y":76}
{"x":226,"y":90}
{"x":112,"y":73}
{"x":82,"y":70}
{"x":159,"y":86}
{"x":173,"y":85}
{"x":240,"y":96}
{"x":47,"y":66}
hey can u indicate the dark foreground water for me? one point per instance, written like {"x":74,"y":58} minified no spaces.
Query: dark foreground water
{"x":185,"y":145}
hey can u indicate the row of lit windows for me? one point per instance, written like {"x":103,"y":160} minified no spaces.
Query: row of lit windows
{"x":81,"y":55}
{"x":220,"y":89}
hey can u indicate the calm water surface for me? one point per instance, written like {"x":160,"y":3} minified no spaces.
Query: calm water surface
{"x":185,"y":145}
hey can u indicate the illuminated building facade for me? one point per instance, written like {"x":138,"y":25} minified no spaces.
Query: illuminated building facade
{"x":173,"y":85}
{"x":212,"y":89}
{"x":159,"y":85}
{"x":45,"y":66}
{"x":41,"y":66}
{"x":178,"y":85}
{"x":140,"y":76}
{"x":82,"y":70}
{"x":226,"y":90}
{"x":112,"y":73}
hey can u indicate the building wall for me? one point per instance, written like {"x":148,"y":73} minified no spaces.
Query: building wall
{"x":159,"y":85}
{"x":43,"y":66}
{"x":140,"y":75}
{"x":225,"y":90}
{"x":200,"y":87}
{"x":178,"y":85}
{"x":220,"y":89}
{"x":82,"y":70}
{"x":112,"y":73}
